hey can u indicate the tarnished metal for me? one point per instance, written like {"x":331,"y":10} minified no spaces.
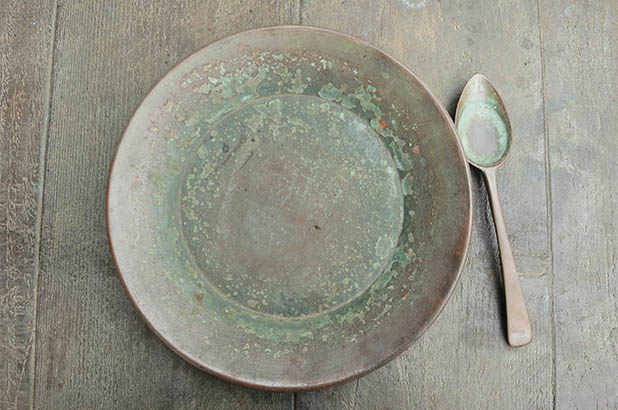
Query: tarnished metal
{"x":485,"y":130}
{"x":289,"y":208}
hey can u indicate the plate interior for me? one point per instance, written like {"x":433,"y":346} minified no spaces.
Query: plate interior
{"x":291,"y":205}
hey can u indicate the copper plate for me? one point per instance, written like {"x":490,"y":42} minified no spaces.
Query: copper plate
{"x":289,"y":208}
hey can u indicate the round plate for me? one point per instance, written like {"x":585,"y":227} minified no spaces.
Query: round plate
{"x":289,"y":208}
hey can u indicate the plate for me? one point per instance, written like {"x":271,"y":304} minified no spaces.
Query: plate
{"x":289,"y":208}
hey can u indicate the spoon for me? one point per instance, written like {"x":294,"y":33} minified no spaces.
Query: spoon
{"x":485,"y":132}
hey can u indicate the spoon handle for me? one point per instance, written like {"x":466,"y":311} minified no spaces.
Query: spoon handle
{"x":519,"y":331}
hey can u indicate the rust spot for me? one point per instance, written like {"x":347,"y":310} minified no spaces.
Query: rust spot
{"x":317,"y":227}
{"x":405,"y":296}
{"x":416,"y":149}
{"x":383,"y":123}
{"x":198,"y":298}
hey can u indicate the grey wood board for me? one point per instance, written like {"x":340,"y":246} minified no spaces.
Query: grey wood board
{"x":25,"y":50}
{"x":93,"y":351}
{"x":463,"y":360}
{"x":581,"y":75}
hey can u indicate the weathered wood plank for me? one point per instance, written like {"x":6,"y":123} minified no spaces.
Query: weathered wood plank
{"x":463,"y":361}
{"x":93,"y":351}
{"x":26,"y":38}
{"x":581,"y":74}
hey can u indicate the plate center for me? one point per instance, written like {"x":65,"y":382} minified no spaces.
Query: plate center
{"x":292,"y":205}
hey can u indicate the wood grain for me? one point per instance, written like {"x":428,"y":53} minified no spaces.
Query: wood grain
{"x":463,"y":361}
{"x":581,"y":74}
{"x":93,"y":351}
{"x":26,"y":37}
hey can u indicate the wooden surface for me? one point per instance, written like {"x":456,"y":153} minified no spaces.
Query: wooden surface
{"x":581,"y":83}
{"x":71,"y":74}
{"x":26,"y":38}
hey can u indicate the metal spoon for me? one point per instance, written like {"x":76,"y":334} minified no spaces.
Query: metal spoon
{"x":485,"y":132}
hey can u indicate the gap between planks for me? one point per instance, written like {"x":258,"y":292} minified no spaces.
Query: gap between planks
{"x":42,"y":170}
{"x":548,"y":205}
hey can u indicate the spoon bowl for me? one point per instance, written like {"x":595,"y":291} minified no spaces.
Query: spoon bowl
{"x":483,"y":124}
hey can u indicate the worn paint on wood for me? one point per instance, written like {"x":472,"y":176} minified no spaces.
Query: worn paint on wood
{"x":581,"y":82}
{"x":25,"y":50}
{"x":445,"y":43}
{"x":93,"y":351}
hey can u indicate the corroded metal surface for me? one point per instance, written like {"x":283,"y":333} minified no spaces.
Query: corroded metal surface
{"x":289,"y":208}
{"x":483,"y":123}
{"x":302,"y":212}
{"x":485,"y":131}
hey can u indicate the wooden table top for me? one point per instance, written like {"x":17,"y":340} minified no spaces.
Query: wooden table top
{"x":73,"y":72}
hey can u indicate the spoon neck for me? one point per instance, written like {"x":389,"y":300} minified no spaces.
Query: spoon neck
{"x":492,"y":190}
{"x":490,"y":173}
